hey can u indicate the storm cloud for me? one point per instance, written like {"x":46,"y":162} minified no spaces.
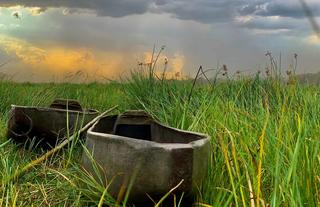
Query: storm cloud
{"x":113,"y":8}
{"x":116,"y":34}
{"x":289,"y":8}
{"x":204,"y":11}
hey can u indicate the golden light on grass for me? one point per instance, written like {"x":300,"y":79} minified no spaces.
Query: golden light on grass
{"x":175,"y":64}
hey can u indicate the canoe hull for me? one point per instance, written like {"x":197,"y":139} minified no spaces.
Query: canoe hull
{"x":156,"y":163}
{"x":45,"y":126}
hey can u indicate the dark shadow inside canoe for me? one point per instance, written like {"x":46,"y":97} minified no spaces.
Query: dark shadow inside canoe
{"x":36,"y":137}
{"x":143,"y":128}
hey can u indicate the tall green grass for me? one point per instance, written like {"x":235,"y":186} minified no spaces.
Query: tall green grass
{"x":264,"y":137}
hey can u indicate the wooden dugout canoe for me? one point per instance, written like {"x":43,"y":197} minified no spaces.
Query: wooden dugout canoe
{"x":47,"y":126}
{"x":133,"y":145}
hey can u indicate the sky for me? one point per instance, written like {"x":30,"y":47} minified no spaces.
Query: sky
{"x":98,"y":40}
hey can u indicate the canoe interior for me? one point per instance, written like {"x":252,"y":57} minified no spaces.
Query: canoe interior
{"x":143,"y":127}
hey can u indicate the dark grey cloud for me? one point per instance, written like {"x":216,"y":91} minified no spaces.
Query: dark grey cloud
{"x":283,"y":15}
{"x":211,"y":11}
{"x":205,"y":11}
{"x":250,"y":7}
{"x":264,"y":24}
{"x":280,"y":8}
{"x":113,"y":8}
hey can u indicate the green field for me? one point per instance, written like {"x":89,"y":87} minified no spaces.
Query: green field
{"x":265,"y":140}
